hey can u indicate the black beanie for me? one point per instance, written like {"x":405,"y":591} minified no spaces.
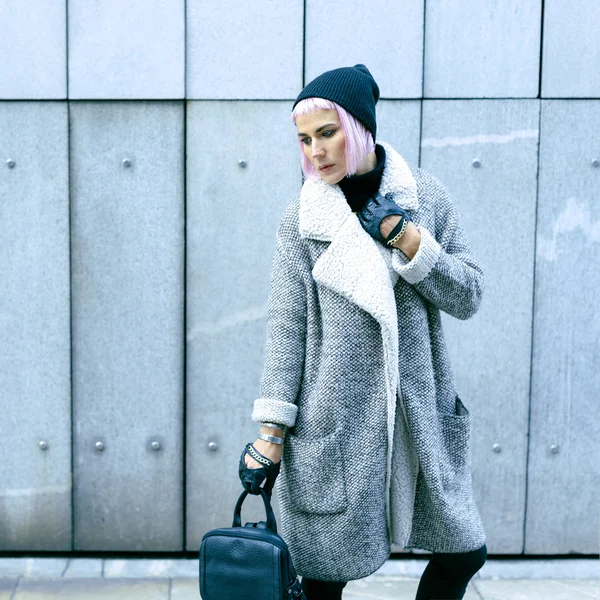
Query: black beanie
{"x":353,"y":88}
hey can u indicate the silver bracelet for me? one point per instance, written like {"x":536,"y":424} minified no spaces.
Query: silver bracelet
{"x":273,"y":425}
{"x":270,"y":438}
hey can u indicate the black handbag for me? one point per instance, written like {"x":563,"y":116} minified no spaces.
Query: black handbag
{"x":247,"y":563}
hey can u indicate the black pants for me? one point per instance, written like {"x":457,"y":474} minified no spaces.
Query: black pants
{"x":446,"y":577}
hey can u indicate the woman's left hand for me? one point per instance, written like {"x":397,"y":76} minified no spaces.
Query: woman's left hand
{"x":380,"y":215}
{"x":410,"y":240}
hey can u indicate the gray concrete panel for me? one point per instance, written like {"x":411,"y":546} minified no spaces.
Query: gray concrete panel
{"x":232,"y":217}
{"x":490,"y":352}
{"x":244,"y":50}
{"x":482,"y":49}
{"x":34,"y":46}
{"x":127,"y":260}
{"x":564,"y":470}
{"x":571,"y":49}
{"x":127,"y":50}
{"x":385,"y":36}
{"x":35,"y":483}
{"x":399,"y":124}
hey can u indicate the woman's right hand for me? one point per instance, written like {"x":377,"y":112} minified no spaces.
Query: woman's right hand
{"x":268,"y":449}
{"x":253,"y":474}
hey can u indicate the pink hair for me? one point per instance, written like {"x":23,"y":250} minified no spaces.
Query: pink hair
{"x":359,"y":141}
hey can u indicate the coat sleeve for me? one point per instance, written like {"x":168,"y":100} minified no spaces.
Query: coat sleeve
{"x":286,"y":343}
{"x":443,"y":270}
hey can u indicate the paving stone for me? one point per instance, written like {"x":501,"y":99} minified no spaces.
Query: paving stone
{"x":408,"y":567}
{"x":369,"y":588}
{"x":559,"y":568}
{"x":141,"y":568}
{"x":6,"y":588}
{"x":93,"y":589}
{"x":185,"y":589}
{"x":388,"y":587}
{"x":528,"y":589}
{"x":83,"y":567}
{"x":42,"y":568}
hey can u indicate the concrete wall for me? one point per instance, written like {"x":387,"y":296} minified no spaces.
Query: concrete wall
{"x":135,"y":249}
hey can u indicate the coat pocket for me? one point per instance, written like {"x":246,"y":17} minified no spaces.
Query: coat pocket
{"x":315,"y":474}
{"x":455,"y":456}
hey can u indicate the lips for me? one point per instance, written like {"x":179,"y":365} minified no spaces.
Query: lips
{"x":324,"y":167}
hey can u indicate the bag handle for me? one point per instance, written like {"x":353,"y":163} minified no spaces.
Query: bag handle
{"x":237,"y":517}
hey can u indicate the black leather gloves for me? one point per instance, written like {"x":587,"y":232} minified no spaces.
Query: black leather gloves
{"x":375,"y":210}
{"x":252,"y":478}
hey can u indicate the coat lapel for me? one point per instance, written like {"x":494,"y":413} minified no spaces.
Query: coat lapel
{"x":358,"y":267}
{"x":354,"y":265}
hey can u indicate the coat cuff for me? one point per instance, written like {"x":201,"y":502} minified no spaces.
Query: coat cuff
{"x":423,"y":261}
{"x":276,"y":411}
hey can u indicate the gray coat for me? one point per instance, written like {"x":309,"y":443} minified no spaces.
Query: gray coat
{"x":378,"y":449}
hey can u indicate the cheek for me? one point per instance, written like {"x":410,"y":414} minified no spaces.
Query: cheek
{"x":341,"y":147}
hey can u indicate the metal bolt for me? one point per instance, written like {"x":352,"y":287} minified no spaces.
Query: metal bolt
{"x":10,"y":163}
{"x":476,"y":162}
{"x":155,"y":445}
{"x":497,"y":448}
{"x":126,"y":162}
{"x":242,"y":163}
{"x":212,"y":446}
{"x":596,"y":162}
{"x":43,"y":445}
{"x":554,"y":448}
{"x":99,"y":446}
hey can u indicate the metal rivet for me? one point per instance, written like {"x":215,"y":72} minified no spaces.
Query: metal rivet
{"x":554,"y":448}
{"x":10,"y":163}
{"x":497,"y":448}
{"x":476,"y":162}
{"x":126,"y":162}
{"x":99,"y":446}
{"x":212,"y":445}
{"x":596,"y":162}
{"x":43,"y":445}
{"x":242,"y":163}
{"x":155,"y":445}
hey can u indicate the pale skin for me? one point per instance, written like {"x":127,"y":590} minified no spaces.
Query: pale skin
{"x":323,"y":143}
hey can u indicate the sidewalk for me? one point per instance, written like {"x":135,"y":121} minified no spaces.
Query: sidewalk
{"x":137,"y":579}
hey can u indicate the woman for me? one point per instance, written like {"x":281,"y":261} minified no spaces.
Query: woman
{"x":357,"y":379}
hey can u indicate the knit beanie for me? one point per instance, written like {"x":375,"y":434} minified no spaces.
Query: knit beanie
{"x":353,"y":88}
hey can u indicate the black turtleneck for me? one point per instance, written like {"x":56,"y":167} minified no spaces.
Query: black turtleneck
{"x":359,"y":188}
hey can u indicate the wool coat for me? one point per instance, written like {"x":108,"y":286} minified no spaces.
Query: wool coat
{"x":378,"y":446}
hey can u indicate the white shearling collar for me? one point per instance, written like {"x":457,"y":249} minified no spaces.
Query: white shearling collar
{"x":323,"y":206}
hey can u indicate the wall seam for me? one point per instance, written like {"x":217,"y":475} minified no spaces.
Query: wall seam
{"x":531,"y":356}
{"x":304,"y":46}
{"x":184,"y":349}
{"x":422,"y":83}
{"x":69,"y":208}
{"x":541,"y":50}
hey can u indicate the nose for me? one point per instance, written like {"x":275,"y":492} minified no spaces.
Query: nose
{"x":317,"y":150}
